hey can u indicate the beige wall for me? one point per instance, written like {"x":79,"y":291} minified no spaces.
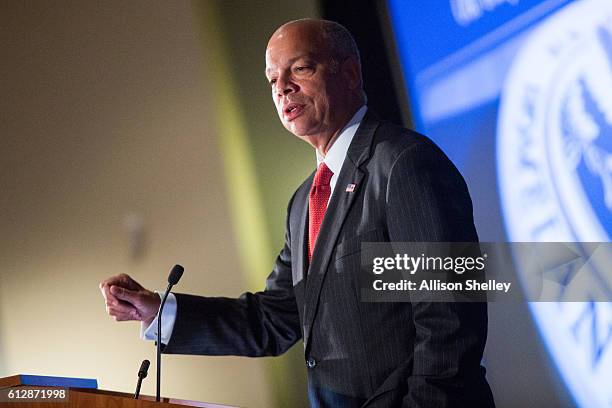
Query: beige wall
{"x":107,"y":111}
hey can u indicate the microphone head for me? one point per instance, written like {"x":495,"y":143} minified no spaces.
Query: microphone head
{"x":175,"y":274}
{"x":144,"y":369}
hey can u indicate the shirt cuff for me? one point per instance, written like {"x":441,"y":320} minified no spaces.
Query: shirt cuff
{"x":168,"y":319}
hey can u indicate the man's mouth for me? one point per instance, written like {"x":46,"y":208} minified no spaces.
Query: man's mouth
{"x":292,"y":111}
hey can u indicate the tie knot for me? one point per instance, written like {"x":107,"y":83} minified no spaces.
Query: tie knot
{"x":322,"y":176}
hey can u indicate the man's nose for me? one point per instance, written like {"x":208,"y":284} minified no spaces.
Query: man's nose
{"x":285,"y":86}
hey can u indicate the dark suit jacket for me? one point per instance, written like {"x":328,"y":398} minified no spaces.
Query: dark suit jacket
{"x":372,"y":354}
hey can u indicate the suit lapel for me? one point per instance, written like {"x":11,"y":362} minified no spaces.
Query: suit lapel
{"x":302,"y":254}
{"x":337,"y":210}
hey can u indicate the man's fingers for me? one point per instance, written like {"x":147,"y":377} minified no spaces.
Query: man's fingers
{"x":123,"y":280}
{"x":126,"y":281}
{"x":127,"y":300}
{"x":124,"y":318}
{"x":121,"y":307}
{"x":124,"y":294}
{"x":105,"y":289}
{"x":122,"y":314}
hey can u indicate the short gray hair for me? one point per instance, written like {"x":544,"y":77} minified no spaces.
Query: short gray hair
{"x":337,"y":38}
{"x":341,"y":43}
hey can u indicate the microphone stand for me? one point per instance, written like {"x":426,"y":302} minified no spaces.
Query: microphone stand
{"x":173,"y":278}
{"x":159,"y":316}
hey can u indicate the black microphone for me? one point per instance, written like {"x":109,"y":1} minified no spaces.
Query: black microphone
{"x":142,"y":374}
{"x":175,"y":274}
{"x":173,"y":278}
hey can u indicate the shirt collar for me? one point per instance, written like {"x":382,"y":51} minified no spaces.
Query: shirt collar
{"x":337,"y":152}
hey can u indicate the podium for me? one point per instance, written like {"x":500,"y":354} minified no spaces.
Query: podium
{"x":19,"y":391}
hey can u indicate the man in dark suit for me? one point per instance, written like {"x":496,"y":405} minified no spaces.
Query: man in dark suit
{"x":375,"y":182}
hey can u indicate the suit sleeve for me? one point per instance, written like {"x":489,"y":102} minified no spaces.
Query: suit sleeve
{"x":428,"y":201}
{"x":265,"y":323}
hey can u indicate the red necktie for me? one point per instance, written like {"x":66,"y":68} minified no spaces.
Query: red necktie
{"x":317,"y":204}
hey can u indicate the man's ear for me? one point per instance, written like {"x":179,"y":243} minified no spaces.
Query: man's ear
{"x":351,"y":71}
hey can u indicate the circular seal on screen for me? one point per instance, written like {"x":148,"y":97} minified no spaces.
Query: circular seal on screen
{"x":554,"y":155}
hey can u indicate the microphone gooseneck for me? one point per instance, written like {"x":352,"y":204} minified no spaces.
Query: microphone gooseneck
{"x":173,"y":278}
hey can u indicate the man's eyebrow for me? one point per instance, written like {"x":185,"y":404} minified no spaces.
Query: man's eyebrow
{"x":289,"y":62}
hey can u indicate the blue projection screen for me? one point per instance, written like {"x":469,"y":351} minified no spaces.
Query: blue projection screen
{"x":518,"y":93}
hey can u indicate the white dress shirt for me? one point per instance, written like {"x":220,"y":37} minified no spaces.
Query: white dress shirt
{"x":334,"y":159}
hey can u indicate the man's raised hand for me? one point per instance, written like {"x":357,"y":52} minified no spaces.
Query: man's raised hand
{"x":126,"y":299}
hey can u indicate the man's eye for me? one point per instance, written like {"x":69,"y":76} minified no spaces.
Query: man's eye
{"x":272,"y":82}
{"x":302,"y":69}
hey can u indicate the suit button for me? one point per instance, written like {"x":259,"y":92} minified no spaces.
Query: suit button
{"x":311,"y":363}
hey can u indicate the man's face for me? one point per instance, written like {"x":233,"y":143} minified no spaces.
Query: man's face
{"x":306,"y":88}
